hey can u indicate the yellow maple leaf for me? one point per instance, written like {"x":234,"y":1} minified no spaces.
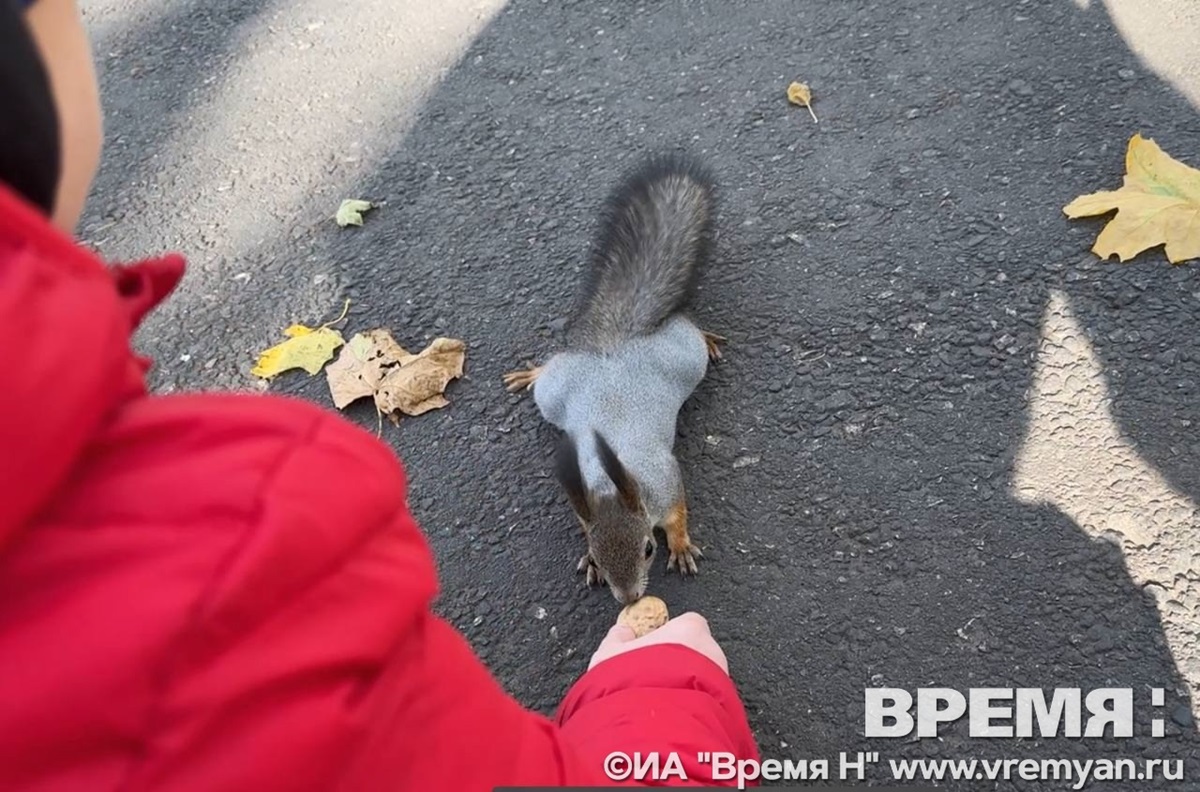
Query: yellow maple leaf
{"x":308,"y":348}
{"x":1158,"y":204}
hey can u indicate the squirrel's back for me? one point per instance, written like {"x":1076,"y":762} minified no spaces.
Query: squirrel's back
{"x":652,"y":241}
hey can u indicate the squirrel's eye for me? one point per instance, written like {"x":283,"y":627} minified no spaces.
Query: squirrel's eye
{"x":649,"y":549}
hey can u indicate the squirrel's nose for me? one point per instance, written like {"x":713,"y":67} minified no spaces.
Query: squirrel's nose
{"x":626,"y":596}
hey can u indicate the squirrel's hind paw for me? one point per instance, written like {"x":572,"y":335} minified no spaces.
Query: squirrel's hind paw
{"x":713,"y":342}
{"x":522,"y":379}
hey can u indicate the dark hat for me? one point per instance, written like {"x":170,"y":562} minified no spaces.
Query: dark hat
{"x":30,"y":150}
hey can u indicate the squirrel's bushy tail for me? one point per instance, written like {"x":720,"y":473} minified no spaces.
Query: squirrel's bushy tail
{"x":653,"y":237}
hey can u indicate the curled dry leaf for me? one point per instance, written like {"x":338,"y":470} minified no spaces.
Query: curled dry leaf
{"x":1158,"y":204}
{"x":799,"y":93}
{"x":350,"y":213}
{"x":373,"y":364}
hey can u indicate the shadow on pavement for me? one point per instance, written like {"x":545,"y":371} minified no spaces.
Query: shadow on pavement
{"x":156,"y":69}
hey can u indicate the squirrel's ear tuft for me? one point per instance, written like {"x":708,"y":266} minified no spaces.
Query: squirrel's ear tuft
{"x":626,"y":487}
{"x":566,"y":470}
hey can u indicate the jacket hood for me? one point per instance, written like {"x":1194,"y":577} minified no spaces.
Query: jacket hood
{"x":66,"y":362}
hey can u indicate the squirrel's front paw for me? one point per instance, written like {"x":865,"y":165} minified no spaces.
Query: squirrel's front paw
{"x":684,"y":558}
{"x":586,"y":564}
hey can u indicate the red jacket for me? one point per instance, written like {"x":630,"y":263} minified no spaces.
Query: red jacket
{"x":213,"y":592}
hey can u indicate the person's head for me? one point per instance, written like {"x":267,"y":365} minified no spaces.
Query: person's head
{"x":51,"y":125}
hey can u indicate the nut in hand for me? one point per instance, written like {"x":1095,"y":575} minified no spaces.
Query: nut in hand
{"x":644,"y":616}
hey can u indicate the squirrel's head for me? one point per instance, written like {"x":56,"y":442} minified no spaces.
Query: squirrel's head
{"x":619,"y":535}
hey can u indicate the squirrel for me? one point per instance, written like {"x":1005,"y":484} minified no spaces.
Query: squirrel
{"x":632,"y":358}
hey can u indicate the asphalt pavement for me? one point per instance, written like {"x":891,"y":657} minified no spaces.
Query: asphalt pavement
{"x":873,"y":469}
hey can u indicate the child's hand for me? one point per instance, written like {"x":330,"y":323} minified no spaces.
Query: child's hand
{"x":688,"y":629}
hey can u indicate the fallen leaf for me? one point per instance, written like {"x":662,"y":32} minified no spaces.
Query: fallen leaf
{"x":359,"y":370}
{"x":417,"y":385}
{"x":799,"y":93}
{"x":351,"y":212}
{"x":374,"y":365}
{"x":1158,"y":204}
{"x":307,"y":348}
{"x":356,"y":372}
{"x":387,"y":346}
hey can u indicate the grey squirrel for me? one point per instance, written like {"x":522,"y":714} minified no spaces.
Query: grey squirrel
{"x":632,"y":359}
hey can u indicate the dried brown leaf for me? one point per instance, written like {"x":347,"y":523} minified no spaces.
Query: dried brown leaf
{"x":373,"y":364}
{"x":356,"y":373}
{"x":417,"y":385}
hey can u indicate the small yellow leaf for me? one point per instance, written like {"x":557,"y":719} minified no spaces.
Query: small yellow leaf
{"x":1158,"y":204}
{"x":306,"y":348}
{"x":799,"y":93}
